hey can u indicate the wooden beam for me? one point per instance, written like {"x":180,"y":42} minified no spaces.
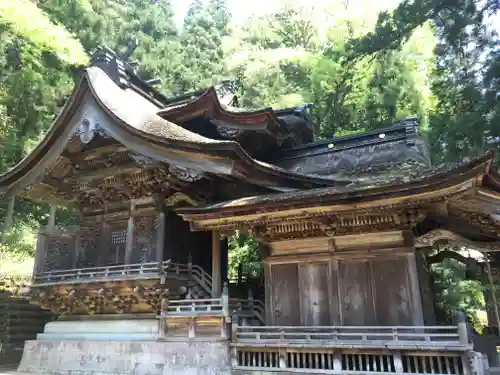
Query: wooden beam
{"x":87,"y":176}
{"x":96,"y":152}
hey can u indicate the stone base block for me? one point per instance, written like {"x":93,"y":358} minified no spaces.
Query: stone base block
{"x":108,"y":330}
{"x":82,"y":357}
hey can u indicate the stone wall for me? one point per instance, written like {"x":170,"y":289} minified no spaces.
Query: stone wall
{"x":81,"y":357}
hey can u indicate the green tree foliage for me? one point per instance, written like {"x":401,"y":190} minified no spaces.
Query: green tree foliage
{"x":201,"y":37}
{"x":452,"y":291}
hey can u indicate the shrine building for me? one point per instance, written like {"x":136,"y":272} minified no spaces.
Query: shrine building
{"x":346,"y":230}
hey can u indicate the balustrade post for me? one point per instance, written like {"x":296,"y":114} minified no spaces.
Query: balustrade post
{"x":192,"y":328}
{"x":234,"y":330}
{"x":225,"y":319}
{"x":463,"y":334}
{"x":234,"y":357}
{"x":163,"y":321}
{"x":225,"y":300}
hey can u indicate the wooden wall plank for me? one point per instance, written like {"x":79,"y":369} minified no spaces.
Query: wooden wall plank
{"x":334,"y":283}
{"x":356,"y":293}
{"x":314,"y":296}
{"x":392,"y":293}
{"x":286,"y":299}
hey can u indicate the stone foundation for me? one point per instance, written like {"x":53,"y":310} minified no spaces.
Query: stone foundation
{"x":96,"y":330}
{"x":81,"y":357}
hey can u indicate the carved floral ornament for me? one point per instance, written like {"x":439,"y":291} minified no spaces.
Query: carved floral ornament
{"x":438,"y":235}
{"x":98,"y":300}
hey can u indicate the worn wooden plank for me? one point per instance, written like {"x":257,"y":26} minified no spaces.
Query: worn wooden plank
{"x":356,"y":291}
{"x":335,"y":293}
{"x":392,"y":294}
{"x":425,"y":284}
{"x":314,"y":298}
{"x":285,"y":294}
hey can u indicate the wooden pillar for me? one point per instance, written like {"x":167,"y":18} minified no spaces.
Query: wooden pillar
{"x":130,"y":234}
{"x":416,"y":298}
{"x":160,"y":234}
{"x":38,"y":267}
{"x":7,"y":224}
{"x":493,"y":292}
{"x":216,"y":269}
{"x":41,"y":243}
{"x":51,"y":224}
{"x":425,"y":282}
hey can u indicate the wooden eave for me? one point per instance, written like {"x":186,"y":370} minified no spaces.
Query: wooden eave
{"x":463,"y":180}
{"x":208,"y":105}
{"x":133,"y":121}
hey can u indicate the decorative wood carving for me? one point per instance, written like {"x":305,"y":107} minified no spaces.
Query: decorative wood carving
{"x":435,"y":236}
{"x":228,"y":132}
{"x":89,"y":128}
{"x":142,"y":160}
{"x":185,"y":174}
{"x":122,"y":304}
{"x":485,"y":222}
{"x":337,"y":225}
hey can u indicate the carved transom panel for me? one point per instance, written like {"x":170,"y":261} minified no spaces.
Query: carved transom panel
{"x":336,"y":225}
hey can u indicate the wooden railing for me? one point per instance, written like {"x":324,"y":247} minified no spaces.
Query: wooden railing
{"x":210,"y":314}
{"x":194,"y":307}
{"x":440,"y":336}
{"x":126,"y":271}
{"x":246,"y":309}
{"x":352,"y":350}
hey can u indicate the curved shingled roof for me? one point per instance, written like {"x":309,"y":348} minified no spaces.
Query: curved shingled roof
{"x":357,"y":192}
{"x":136,"y":124}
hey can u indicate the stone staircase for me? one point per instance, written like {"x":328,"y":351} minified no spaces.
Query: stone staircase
{"x":19,"y":321}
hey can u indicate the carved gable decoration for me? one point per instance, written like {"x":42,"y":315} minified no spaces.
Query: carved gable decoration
{"x":89,"y":128}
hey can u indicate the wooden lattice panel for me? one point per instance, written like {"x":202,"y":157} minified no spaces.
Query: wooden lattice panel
{"x":61,"y":168}
{"x":144,"y":239}
{"x":117,"y":246}
{"x":59,"y":252}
